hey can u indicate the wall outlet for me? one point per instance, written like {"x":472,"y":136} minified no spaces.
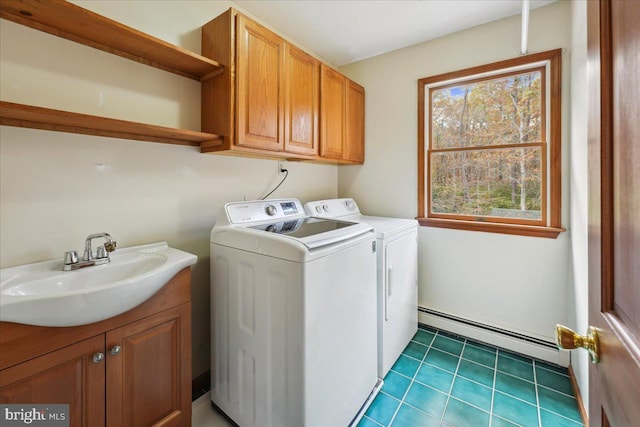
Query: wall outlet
{"x":281,"y":165}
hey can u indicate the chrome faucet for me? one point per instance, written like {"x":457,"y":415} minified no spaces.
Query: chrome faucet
{"x":102,"y":253}
{"x":109,"y":246}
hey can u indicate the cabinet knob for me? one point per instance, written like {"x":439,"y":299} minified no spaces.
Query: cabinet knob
{"x":115,"y":350}
{"x":97,"y":357}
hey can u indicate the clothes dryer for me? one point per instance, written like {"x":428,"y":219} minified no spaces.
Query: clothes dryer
{"x":397,"y":274}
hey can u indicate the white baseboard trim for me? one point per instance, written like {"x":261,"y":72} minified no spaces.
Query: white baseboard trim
{"x":496,"y":338}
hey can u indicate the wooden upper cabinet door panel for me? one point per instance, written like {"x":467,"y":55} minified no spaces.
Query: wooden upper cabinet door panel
{"x":67,"y":376}
{"x":150,"y":377}
{"x":332,"y":113}
{"x":354,"y":142}
{"x":301,"y":102}
{"x":260,"y":100}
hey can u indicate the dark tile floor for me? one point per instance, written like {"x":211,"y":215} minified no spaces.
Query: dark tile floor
{"x":447,"y":380}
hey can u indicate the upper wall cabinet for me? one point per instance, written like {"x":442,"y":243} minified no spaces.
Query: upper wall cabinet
{"x":66,"y":20}
{"x":261,"y":75}
{"x":267,"y":101}
{"x":332,"y":123}
{"x":341,"y":118}
{"x":301,"y":102}
{"x":354,"y":139}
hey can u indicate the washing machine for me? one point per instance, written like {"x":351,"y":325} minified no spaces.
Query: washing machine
{"x":396,"y":272}
{"x":293,"y":316}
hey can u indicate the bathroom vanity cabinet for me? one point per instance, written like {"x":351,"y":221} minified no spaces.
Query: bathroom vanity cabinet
{"x":130,"y":370}
{"x":275,"y":100}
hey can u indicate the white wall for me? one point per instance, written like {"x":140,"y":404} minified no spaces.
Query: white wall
{"x":513,"y":282}
{"x":578,"y":177}
{"x":56,"y":188}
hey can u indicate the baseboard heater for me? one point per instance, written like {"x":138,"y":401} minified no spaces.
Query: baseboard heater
{"x":489,"y":328}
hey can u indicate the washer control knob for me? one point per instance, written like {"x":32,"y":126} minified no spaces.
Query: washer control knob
{"x":349,"y":204}
{"x":325,"y":207}
{"x":270,"y":210}
{"x":319,"y":209}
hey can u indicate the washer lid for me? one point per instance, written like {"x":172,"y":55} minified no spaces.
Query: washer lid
{"x":314,"y":232}
{"x":303,"y":227}
{"x":280,"y":223}
{"x":276,"y":239}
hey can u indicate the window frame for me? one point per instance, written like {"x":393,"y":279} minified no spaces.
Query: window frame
{"x":549,"y":225}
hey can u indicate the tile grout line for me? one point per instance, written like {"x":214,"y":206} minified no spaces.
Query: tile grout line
{"x":535,"y":377}
{"x":553,"y":371}
{"x":557,"y":391}
{"x":517,"y":377}
{"x":373,"y":421}
{"x":413,"y":379}
{"x":549,"y":368}
{"x":535,"y":382}
{"x":493,"y":388}
{"x":577,"y":423}
{"x":516,"y":397}
{"x":453,"y":380}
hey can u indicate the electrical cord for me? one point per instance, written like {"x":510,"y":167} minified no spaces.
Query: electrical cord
{"x":286,"y":174}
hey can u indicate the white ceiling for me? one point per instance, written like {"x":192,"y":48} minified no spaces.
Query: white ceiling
{"x":345,"y":31}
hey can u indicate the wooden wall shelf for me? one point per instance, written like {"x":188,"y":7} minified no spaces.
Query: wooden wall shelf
{"x":63,"y":121}
{"x":66,"y":20}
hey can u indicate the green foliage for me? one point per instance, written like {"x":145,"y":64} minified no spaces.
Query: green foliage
{"x":487,"y":116}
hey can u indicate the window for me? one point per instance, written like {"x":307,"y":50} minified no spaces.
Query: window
{"x":489,"y":147}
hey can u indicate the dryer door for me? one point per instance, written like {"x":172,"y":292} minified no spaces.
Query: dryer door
{"x":400,"y":298}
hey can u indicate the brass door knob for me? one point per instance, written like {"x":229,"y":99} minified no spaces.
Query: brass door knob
{"x":567,"y":339}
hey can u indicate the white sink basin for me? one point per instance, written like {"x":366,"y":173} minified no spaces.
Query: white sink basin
{"x":42,"y":294}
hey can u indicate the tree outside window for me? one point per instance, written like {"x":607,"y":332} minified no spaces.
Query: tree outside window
{"x":484,"y":144}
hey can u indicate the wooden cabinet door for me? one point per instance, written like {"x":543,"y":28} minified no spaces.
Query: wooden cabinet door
{"x":302,"y":84}
{"x":260,"y":96}
{"x":332,"y":113}
{"x":149,"y":371}
{"x":354,"y":141}
{"x":66,"y":376}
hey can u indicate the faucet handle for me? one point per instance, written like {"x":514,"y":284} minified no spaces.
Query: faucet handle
{"x":101,"y":252}
{"x":70,"y":257}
